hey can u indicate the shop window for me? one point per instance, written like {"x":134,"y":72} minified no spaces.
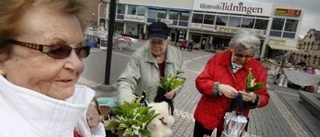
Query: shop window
{"x":261,"y":24}
{"x":120,"y":8}
{"x":291,"y":25}
{"x":277,"y":24}
{"x":197,"y":18}
{"x":208,"y":19}
{"x":173,"y":15}
{"x":234,"y":21}
{"x":132,"y":9}
{"x":247,"y":23}
{"x":141,"y":10}
{"x":222,"y":20}
{"x":184,"y":16}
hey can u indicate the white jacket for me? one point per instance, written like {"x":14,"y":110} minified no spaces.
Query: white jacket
{"x":27,"y":113}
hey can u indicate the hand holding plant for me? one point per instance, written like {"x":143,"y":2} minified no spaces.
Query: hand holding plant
{"x":171,"y":83}
{"x":251,"y":85}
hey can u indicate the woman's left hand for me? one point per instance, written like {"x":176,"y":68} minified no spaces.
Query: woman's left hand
{"x":93,"y":117}
{"x":248,"y":96}
{"x":170,"y":94}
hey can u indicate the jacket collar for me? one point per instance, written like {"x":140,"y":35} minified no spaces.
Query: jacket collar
{"x":36,"y":111}
{"x":225,"y":60}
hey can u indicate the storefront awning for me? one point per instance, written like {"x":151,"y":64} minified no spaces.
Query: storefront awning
{"x":277,"y":47}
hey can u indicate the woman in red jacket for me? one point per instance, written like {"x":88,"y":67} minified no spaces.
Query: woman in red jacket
{"x":223,"y":77}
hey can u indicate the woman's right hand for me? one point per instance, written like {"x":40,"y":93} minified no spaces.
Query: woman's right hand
{"x":228,"y":91}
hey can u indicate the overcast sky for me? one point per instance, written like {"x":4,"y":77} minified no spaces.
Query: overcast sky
{"x":311,"y":8}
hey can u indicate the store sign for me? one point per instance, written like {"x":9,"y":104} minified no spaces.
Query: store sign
{"x":287,"y":12}
{"x":244,"y":8}
{"x":234,"y":30}
{"x":134,"y":18}
{"x":196,"y":25}
{"x":209,"y":27}
{"x":277,"y":42}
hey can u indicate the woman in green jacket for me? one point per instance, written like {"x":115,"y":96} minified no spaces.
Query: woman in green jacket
{"x":145,"y":67}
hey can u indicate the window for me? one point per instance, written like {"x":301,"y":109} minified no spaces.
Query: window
{"x":162,"y":14}
{"x":208,"y":19}
{"x":261,"y":24}
{"x":277,"y":24}
{"x":222,"y":20}
{"x":291,"y":25}
{"x":173,"y":15}
{"x":184,"y":16}
{"x":141,"y":11}
{"x":121,"y":9}
{"x":132,"y":9}
{"x":247,"y":23}
{"x":152,"y":13}
{"x":234,"y":21}
{"x":197,"y":18}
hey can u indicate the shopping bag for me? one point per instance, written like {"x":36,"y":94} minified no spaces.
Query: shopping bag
{"x":234,"y":122}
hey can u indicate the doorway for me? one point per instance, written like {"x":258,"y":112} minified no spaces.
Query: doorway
{"x":203,"y":42}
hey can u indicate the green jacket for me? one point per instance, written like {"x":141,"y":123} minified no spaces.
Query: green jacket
{"x":142,"y":73}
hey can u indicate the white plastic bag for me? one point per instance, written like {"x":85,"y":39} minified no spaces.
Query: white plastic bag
{"x":234,"y":122}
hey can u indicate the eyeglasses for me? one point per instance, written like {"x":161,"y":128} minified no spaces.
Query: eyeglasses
{"x":241,"y":56}
{"x":58,"y":51}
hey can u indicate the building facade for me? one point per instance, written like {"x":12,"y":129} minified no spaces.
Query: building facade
{"x":309,"y":49}
{"x":211,"y":24}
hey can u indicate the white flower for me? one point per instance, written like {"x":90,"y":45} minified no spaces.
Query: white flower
{"x":252,"y":82}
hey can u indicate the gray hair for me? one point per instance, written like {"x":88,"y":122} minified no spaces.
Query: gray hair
{"x":245,"y":40}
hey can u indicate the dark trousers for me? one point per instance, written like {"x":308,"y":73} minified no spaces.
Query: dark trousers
{"x":200,"y":131}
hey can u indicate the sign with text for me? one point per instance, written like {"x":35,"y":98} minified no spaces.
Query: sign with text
{"x":287,"y":12}
{"x":233,"y":30}
{"x":134,"y":18}
{"x":244,"y":8}
{"x":277,"y":42}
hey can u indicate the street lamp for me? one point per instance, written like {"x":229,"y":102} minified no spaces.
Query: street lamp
{"x":112,"y":14}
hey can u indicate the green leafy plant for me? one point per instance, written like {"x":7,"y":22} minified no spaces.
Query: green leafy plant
{"x":171,"y":82}
{"x":251,"y":85}
{"x":131,"y":119}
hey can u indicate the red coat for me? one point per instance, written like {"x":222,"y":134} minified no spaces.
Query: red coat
{"x":210,"y":111}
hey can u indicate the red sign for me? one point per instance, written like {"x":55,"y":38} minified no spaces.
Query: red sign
{"x":287,"y":12}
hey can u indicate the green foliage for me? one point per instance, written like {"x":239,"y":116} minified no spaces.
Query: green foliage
{"x":131,"y":119}
{"x":251,"y":85}
{"x":171,"y":82}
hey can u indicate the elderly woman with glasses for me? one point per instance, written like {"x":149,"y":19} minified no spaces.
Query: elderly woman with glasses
{"x":156,"y":59}
{"x":223,"y":78}
{"x":41,"y":52}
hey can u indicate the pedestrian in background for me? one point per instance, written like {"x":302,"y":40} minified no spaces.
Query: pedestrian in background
{"x":183,"y":44}
{"x":41,"y":55}
{"x":223,"y":77}
{"x":145,"y":67}
{"x":190,"y":45}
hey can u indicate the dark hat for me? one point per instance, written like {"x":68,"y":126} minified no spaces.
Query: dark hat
{"x":158,"y":30}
